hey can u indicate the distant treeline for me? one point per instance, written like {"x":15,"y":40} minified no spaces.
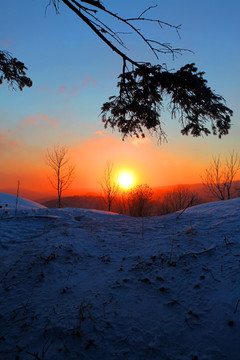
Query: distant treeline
{"x":164,"y":200}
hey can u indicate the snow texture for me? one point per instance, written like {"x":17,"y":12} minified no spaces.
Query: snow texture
{"x":83,"y":284}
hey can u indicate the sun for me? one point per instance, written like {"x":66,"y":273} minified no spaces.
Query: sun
{"x":125,"y":180}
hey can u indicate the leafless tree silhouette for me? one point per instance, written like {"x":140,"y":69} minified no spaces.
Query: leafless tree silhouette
{"x":219,"y":176}
{"x":109,"y":184}
{"x":63,"y":173}
{"x":179,"y":198}
{"x":138,"y":198}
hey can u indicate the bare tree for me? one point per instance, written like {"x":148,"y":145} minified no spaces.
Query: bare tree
{"x":109,"y":184}
{"x":219,"y":176}
{"x":179,"y":198}
{"x":138,"y":199}
{"x":63,"y":173}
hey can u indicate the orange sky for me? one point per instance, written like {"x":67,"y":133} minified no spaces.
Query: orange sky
{"x":71,"y":83}
{"x":167,"y":164}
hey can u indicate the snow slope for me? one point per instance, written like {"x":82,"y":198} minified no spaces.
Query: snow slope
{"x":81,"y":284}
{"x":10,"y":201}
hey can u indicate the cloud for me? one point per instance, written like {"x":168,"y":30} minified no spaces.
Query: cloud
{"x":88,"y":80}
{"x":30,"y":121}
{"x":5,"y":43}
{"x":61,"y":89}
{"x":100,"y":132}
{"x":140,"y":141}
{"x":6,"y":143}
{"x":42,"y":87}
{"x":39,"y":119}
{"x":74,"y":89}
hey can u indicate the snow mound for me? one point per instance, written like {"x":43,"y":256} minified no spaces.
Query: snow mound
{"x":80,"y":284}
{"x":9,"y":201}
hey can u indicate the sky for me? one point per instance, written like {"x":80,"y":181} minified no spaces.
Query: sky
{"x":74,"y":73}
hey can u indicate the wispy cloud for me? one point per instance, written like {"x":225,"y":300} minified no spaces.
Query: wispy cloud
{"x":5,"y":43}
{"x":100,"y":132}
{"x":140,"y":141}
{"x":39,"y":119}
{"x":7,"y":142}
{"x":74,"y":89}
{"x":42,"y":87}
{"x":61,"y":89}
{"x":88,"y":80}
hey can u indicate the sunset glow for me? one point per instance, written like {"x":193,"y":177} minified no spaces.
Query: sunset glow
{"x":125,"y":180}
{"x":70,"y":87}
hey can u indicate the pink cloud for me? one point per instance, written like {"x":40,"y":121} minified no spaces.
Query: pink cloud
{"x":39,"y":119}
{"x":88,"y":80}
{"x":42,"y":87}
{"x":48,"y":119}
{"x":5,"y":43}
{"x":140,"y":141}
{"x":61,"y":89}
{"x":30,"y":121}
{"x":100,"y":132}
{"x":74,"y":89}
{"x":6,"y":143}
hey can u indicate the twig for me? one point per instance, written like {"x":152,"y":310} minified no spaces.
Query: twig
{"x":236,"y":307}
{"x":171,"y":251}
{"x":212,"y":275}
{"x":197,"y":253}
{"x":17,"y":198}
{"x":188,"y":205}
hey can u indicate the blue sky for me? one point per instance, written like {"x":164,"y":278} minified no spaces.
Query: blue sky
{"x":73,"y":72}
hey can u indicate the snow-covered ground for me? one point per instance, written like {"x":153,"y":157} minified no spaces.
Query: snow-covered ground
{"x":8,"y":201}
{"x":82,"y":284}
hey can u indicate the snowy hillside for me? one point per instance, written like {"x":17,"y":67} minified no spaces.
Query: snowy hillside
{"x":10,"y":201}
{"x":82,"y":284}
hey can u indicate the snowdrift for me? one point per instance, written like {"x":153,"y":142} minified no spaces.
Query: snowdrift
{"x":10,"y":201}
{"x":80,"y":284}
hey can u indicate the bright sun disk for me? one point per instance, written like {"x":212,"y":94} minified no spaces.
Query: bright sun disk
{"x":125,"y":180}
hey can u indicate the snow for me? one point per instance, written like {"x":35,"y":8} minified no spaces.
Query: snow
{"x":82,"y":284}
{"x":10,"y":201}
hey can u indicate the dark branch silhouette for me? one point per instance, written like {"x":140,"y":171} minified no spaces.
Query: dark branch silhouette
{"x":140,"y":101}
{"x":13,"y":71}
{"x":138,"y":106}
